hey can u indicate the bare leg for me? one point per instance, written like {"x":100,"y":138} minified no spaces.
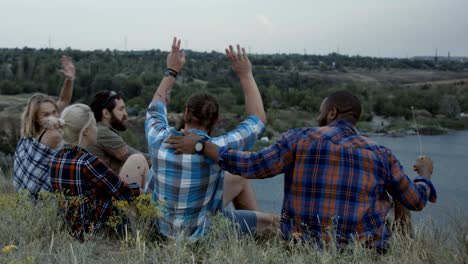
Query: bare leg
{"x":135,"y":169}
{"x":239,"y":191}
{"x":267,"y":224}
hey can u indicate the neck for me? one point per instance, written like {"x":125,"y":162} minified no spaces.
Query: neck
{"x":106,"y":122}
{"x":192,"y":126}
{"x":84,"y":143}
{"x":39,"y":132}
{"x":345,"y":118}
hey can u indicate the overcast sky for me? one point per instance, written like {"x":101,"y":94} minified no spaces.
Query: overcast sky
{"x":384,"y":28}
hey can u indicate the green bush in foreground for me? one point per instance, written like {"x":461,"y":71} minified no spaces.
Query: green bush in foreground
{"x":34,"y":233}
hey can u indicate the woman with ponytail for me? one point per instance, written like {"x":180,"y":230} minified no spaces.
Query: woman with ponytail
{"x":40,"y":136}
{"x":84,"y":184}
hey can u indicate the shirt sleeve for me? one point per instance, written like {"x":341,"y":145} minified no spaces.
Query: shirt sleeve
{"x":244,"y":136}
{"x":102,"y":178}
{"x":114,"y":145}
{"x":156,"y":120}
{"x":268,"y":162}
{"x":412,"y":194}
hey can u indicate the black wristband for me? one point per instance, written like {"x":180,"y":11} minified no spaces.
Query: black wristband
{"x":171,"y":72}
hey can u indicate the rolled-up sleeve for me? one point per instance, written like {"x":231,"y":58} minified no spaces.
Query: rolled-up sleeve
{"x":412,"y":194}
{"x":156,"y":120}
{"x":244,"y":136}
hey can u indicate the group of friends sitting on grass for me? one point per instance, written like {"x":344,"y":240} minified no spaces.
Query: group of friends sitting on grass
{"x":338,"y":185}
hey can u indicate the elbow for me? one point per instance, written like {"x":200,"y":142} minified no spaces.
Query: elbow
{"x":263,"y":119}
{"x":416,"y":207}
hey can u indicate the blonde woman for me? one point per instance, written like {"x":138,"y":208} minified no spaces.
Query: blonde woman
{"x":39,"y":136}
{"x":87,"y":185}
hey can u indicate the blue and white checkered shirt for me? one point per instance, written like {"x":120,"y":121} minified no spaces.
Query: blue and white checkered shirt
{"x":190,"y":186}
{"x":31,"y":168}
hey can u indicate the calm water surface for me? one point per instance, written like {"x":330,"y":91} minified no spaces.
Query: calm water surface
{"x":450,"y":155}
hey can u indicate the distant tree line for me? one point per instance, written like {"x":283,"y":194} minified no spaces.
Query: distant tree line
{"x":283,"y":79}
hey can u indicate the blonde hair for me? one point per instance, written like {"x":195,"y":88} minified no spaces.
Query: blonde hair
{"x":30,"y":125}
{"x":75,"y":119}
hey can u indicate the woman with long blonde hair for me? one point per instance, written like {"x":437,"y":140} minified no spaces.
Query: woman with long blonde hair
{"x":87,"y":186}
{"x":40,"y":136}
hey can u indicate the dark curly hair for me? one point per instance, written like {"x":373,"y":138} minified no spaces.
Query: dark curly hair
{"x":104,"y":100}
{"x":203,"y":110}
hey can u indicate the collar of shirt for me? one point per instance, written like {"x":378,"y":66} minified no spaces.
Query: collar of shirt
{"x":201,"y":133}
{"x":344,"y":124}
{"x":110,"y":128}
{"x":74,"y":148}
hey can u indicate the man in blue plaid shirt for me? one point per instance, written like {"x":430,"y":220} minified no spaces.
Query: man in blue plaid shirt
{"x":191,"y":187}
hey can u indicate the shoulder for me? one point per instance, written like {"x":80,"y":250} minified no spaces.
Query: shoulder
{"x":104,"y":131}
{"x":304,"y":132}
{"x":52,"y":138}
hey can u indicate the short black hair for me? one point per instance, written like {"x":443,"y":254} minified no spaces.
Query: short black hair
{"x":347,"y":105}
{"x":104,"y":100}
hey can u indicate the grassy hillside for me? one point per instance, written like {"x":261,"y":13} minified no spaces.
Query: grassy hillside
{"x":34,"y":233}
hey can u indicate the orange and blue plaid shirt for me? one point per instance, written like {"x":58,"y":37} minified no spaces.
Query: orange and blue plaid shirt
{"x":87,"y":187}
{"x":336,"y":183}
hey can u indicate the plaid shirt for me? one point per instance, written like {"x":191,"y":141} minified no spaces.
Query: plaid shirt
{"x":190,"y":186}
{"x":86,"y":186}
{"x":31,"y":166}
{"x":335,"y":183}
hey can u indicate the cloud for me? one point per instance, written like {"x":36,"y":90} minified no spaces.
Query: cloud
{"x":265,"y":23}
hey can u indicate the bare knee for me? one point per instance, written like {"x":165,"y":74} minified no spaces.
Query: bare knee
{"x":137,"y":159}
{"x":135,"y":169}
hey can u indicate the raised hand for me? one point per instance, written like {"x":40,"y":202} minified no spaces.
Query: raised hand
{"x":68,"y":69}
{"x":424,"y":166}
{"x":176,"y":58}
{"x":239,"y":61}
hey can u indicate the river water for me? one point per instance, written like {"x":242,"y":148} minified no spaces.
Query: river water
{"x":450,"y":155}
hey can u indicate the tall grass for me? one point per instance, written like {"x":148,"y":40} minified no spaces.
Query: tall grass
{"x":36,"y":234}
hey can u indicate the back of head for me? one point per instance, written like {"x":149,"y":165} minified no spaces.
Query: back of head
{"x":30,"y":123}
{"x":202,"y":110}
{"x":75,"y":119}
{"x":104,"y":100}
{"x":348,"y":106}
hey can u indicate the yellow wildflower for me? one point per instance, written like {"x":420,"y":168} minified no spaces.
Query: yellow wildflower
{"x":8,"y":248}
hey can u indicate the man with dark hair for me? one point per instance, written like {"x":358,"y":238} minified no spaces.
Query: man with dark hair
{"x":343,"y":103}
{"x":192,"y":187}
{"x":336,"y":181}
{"x":109,"y":110}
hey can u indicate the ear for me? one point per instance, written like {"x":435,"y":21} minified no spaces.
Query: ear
{"x":106,"y":114}
{"x":332,"y":113}
{"x":85,"y":132}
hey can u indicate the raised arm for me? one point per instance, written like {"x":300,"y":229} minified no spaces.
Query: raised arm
{"x":68,"y":71}
{"x":243,"y":68}
{"x":174,"y":62}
